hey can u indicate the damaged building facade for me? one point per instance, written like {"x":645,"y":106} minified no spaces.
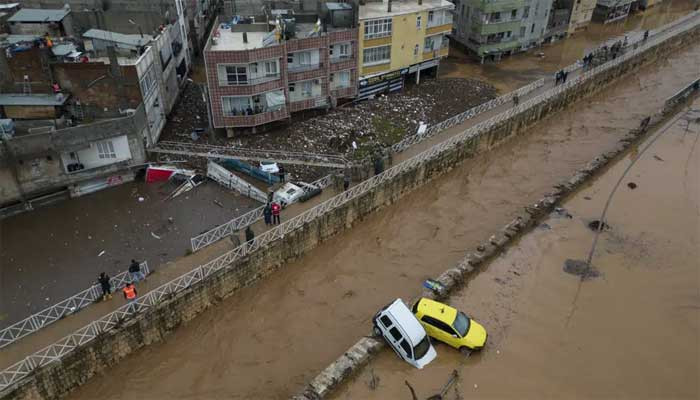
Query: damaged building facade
{"x":261,"y":69}
{"x":77,"y":113}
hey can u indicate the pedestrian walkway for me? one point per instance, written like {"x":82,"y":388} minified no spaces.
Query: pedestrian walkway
{"x":46,"y":337}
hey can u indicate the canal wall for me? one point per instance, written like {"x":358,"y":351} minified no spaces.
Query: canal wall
{"x":62,"y":368}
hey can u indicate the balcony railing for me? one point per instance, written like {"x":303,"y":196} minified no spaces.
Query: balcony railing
{"x":341,"y":58}
{"x":264,"y":117}
{"x":304,"y":67}
{"x":255,"y":81}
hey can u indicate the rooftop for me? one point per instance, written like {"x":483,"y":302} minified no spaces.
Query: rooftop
{"x":8,"y":6}
{"x":134,"y":40}
{"x":400,"y":7}
{"x":17,"y":99}
{"x":14,"y":39}
{"x":228,"y":41}
{"x":38,"y":15}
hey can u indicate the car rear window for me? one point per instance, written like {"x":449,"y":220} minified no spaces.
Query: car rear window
{"x":422,"y":347}
{"x":395,"y":333}
{"x":385,"y":321}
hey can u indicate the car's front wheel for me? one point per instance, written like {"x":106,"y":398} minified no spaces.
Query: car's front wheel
{"x":377,"y":331}
{"x":466,"y":351}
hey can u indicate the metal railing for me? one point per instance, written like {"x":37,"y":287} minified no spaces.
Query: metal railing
{"x":61,"y":309}
{"x":229,"y":228}
{"x":238,"y":153}
{"x":89,"y":332}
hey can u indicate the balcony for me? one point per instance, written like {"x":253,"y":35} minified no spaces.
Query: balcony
{"x":255,"y":119}
{"x":304,"y":67}
{"x":341,"y":58}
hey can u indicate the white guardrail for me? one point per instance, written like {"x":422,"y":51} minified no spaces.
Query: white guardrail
{"x":62,"y":309}
{"x":89,"y":332}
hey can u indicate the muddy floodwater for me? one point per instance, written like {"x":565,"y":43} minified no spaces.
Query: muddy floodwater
{"x":631,"y":333}
{"x":522,"y":68}
{"x":56,"y":251}
{"x":267,"y":341}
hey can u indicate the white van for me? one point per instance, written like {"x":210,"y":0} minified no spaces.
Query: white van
{"x":400,"y":328}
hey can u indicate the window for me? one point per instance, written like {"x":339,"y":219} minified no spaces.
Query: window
{"x":415,"y":50}
{"x":236,"y":75}
{"x":513,"y":14}
{"x":438,"y":324}
{"x":407,"y":348}
{"x":429,"y":44}
{"x":106,"y":150}
{"x":508,"y":34}
{"x":290,"y":58}
{"x":395,"y":333}
{"x":385,"y":321}
{"x":271,"y":68}
{"x":236,"y":105}
{"x":292,"y":87}
{"x":377,"y":28}
{"x":532,"y":29}
{"x":462,"y":12}
{"x":148,"y":82}
{"x":526,"y":12}
{"x":418,"y":20}
{"x":376,"y":55}
{"x":461,"y":324}
{"x":422,"y":347}
{"x":496,"y":16}
{"x":306,"y":88}
{"x":340,"y":79}
{"x":522,"y":31}
{"x":431,"y":17}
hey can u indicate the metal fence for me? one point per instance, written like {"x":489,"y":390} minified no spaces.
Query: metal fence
{"x":229,"y":228}
{"x":62,"y":309}
{"x":84,"y":335}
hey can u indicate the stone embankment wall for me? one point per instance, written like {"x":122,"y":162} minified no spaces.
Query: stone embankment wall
{"x":59,"y":378}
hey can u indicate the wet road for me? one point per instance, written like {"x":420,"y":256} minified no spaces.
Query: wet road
{"x":268,"y":340}
{"x":523,"y":68}
{"x":632,"y":332}
{"x":53,"y":252}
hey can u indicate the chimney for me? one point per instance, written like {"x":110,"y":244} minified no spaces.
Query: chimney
{"x":245,"y":37}
{"x":388,"y":8}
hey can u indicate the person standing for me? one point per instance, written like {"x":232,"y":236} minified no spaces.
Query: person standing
{"x":106,"y":286}
{"x":130,"y":292}
{"x":281,"y":173}
{"x":267,"y":214}
{"x":346,"y":182}
{"x":516,"y":99}
{"x":249,"y":234}
{"x":135,"y":271}
{"x":564,"y":75}
{"x":276,"y":210}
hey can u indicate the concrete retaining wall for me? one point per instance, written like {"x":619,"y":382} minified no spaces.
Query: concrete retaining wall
{"x":58,"y":379}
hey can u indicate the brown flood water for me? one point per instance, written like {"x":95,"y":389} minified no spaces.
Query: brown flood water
{"x":267,"y":341}
{"x":523,"y":68}
{"x":631,"y":333}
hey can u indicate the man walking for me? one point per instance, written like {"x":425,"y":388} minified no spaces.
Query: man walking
{"x":130,"y":292}
{"x":276,"y":210}
{"x":135,"y":271}
{"x":106,"y":286}
{"x":267,"y":214}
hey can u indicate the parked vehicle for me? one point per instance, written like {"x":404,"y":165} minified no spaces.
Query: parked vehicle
{"x":291,"y":193}
{"x":450,"y":326}
{"x":404,"y":334}
{"x":269,"y":166}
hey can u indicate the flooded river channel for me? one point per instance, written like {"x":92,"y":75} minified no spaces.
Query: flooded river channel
{"x":267,"y":341}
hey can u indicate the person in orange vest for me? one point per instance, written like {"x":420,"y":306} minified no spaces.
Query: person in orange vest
{"x":276,"y":210}
{"x":129,"y":292}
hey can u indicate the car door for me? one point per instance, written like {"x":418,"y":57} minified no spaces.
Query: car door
{"x":440,"y":330}
{"x":389,"y":332}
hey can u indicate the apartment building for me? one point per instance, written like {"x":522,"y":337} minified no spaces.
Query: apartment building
{"x":399,"y":40}
{"x":581,"y":14}
{"x":607,"y":11}
{"x":256,"y":76}
{"x":491,"y":29}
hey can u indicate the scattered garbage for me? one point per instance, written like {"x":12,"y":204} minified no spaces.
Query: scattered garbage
{"x":155,"y":236}
{"x":632,"y":185}
{"x":101,"y":253}
{"x":596,"y":225}
{"x":433,"y":285}
{"x":580,"y":268}
{"x":141,"y":199}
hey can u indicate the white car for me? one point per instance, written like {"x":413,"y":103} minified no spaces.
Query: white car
{"x":270,"y":167}
{"x":400,"y":328}
{"x":287,"y":194}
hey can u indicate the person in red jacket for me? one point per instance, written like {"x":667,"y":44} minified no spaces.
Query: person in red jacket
{"x":276,"y":210}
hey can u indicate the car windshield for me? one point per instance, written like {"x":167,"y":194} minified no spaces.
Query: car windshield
{"x":422,"y":348}
{"x":461,"y":324}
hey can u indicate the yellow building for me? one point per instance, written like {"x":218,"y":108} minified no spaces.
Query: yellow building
{"x":581,"y":14}
{"x":400,"y":40}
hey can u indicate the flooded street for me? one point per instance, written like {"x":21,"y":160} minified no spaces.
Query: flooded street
{"x":267,"y":341}
{"x":631,"y":333}
{"x":54,"y":252}
{"x":523,"y":68}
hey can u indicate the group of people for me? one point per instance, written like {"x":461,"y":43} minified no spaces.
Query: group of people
{"x":561,"y":77}
{"x":271,"y":213}
{"x":129,"y":290}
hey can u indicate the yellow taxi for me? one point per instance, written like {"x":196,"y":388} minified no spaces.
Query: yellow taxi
{"x":450,"y":326}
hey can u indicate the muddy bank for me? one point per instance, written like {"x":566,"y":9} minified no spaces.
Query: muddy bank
{"x":386,"y":256}
{"x":555,"y":334}
{"x":54,"y":252}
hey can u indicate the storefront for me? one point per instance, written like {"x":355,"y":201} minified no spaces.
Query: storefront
{"x":384,"y":83}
